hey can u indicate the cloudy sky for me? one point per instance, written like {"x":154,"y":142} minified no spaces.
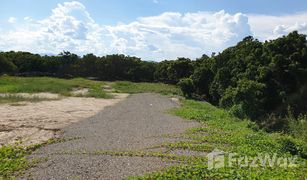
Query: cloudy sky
{"x":150,"y":29}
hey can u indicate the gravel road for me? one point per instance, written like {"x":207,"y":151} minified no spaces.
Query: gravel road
{"x":135,"y":124}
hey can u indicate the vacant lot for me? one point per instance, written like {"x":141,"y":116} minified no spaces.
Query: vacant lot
{"x":34,"y":109}
{"x":133,"y":137}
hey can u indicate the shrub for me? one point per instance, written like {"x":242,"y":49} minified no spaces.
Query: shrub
{"x":202,"y":78}
{"x":187,"y":87}
{"x":238,"y":111}
{"x":248,"y":94}
{"x":254,"y":126}
{"x":273,"y":122}
{"x":289,"y":144}
{"x":298,"y":127}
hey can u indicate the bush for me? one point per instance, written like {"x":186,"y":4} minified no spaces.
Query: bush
{"x":202,"y":78}
{"x":187,"y":87}
{"x":272,"y":123}
{"x":254,"y":126}
{"x":248,"y":94}
{"x":289,"y":144}
{"x":298,"y":127}
{"x":238,"y":111}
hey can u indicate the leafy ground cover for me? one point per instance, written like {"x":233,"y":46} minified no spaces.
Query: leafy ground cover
{"x":13,"y":159}
{"x":242,"y":138}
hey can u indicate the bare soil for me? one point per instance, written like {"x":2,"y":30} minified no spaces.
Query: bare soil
{"x":34,"y":123}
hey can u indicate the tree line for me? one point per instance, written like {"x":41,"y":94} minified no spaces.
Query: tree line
{"x":263,"y":81}
{"x":109,"y":67}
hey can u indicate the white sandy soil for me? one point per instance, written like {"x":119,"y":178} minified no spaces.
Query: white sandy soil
{"x":34,"y":123}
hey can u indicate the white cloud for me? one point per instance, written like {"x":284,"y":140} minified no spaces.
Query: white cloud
{"x":284,"y":29}
{"x":166,"y":36}
{"x":268,"y":27}
{"x":12,"y":20}
{"x":155,"y":1}
{"x":28,"y":19}
{"x":69,"y":27}
{"x":172,"y":35}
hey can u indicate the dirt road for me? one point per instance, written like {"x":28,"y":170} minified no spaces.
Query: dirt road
{"x":135,"y":124}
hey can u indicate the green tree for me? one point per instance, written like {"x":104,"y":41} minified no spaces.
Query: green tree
{"x":187,"y":87}
{"x":248,"y":94}
{"x":6,"y":66}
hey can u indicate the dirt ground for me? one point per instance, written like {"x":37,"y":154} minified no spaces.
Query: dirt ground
{"x":33,"y":123}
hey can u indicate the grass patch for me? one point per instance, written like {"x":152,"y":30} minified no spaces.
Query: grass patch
{"x":12,"y":159}
{"x":16,"y":98}
{"x":298,"y":127}
{"x":9,"y":84}
{"x":63,"y":87}
{"x":221,"y":130}
{"x":131,"y":87}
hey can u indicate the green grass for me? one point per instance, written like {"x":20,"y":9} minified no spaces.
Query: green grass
{"x":16,"y":98}
{"x":297,"y":127}
{"x":131,"y":87}
{"x":64,"y":87}
{"x":12,"y":159}
{"x":221,"y":130}
{"x":12,"y":85}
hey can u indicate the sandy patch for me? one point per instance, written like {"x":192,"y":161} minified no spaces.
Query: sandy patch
{"x":108,"y":88}
{"x":80,"y":92}
{"x":35,"y":95}
{"x":35,"y":123}
{"x":176,"y":100}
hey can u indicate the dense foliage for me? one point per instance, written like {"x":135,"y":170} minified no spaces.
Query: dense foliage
{"x":262,"y":81}
{"x":66,"y":64}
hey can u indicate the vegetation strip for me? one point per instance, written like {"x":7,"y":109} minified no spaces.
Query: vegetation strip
{"x":63,"y":87}
{"x":242,"y":137}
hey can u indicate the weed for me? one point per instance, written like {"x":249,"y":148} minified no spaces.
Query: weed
{"x":130,"y":87}
{"x":224,"y":131}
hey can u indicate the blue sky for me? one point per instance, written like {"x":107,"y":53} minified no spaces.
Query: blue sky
{"x":151,"y":29}
{"x":112,"y":12}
